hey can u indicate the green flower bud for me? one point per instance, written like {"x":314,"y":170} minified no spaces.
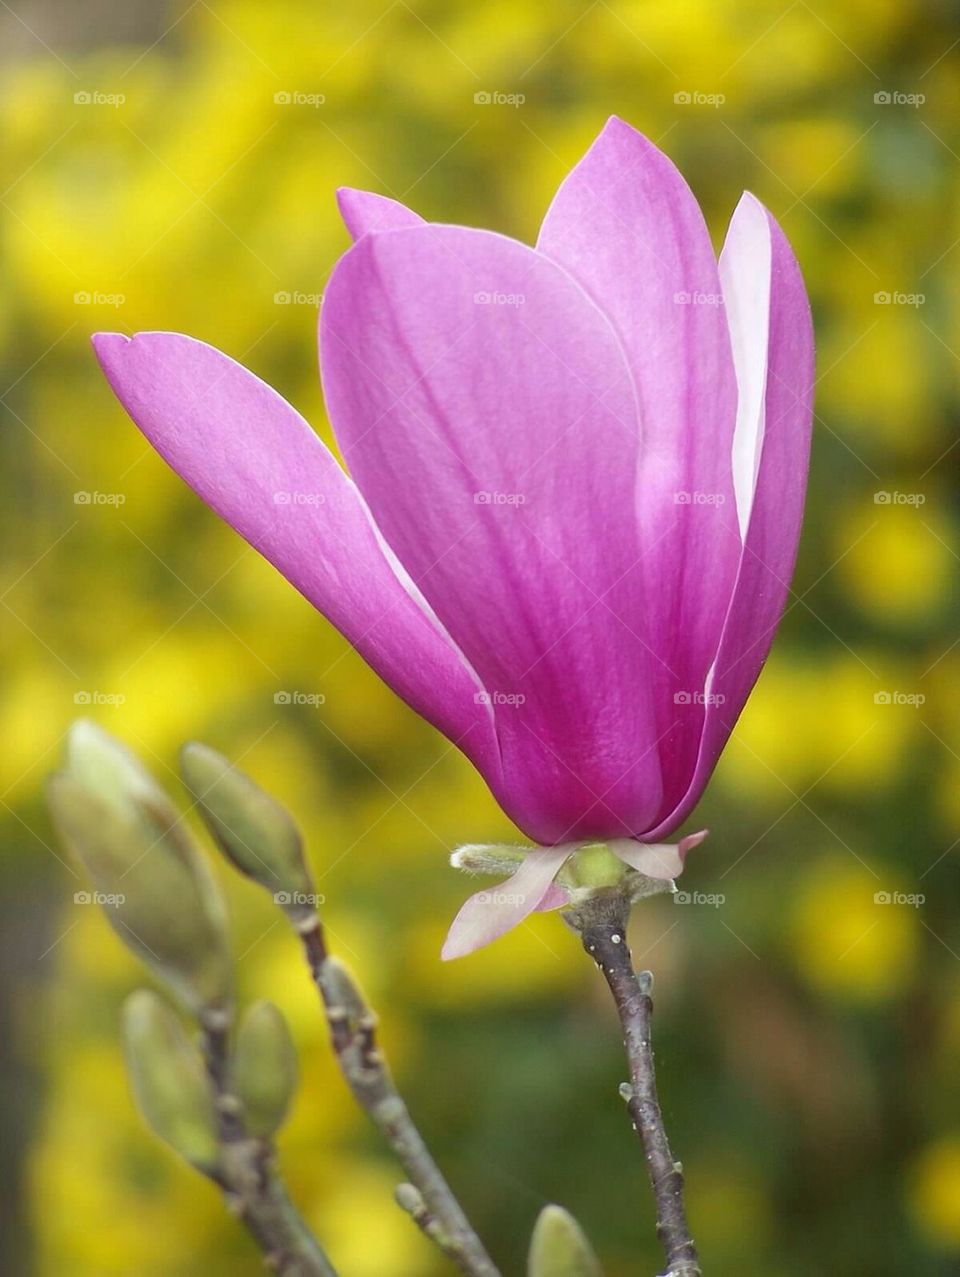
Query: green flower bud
{"x":157,"y":891}
{"x":593,"y":866}
{"x":343,"y":992}
{"x":559,"y":1248}
{"x":169,"y":1080}
{"x":264,"y":1069}
{"x":252,"y":829}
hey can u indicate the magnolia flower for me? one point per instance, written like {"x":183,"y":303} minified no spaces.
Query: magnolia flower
{"x":576,"y":485}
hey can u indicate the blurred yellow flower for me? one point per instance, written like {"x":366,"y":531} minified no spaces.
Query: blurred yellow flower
{"x":933,"y":1192}
{"x":852,"y":935}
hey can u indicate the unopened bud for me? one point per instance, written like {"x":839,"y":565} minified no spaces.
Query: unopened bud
{"x":593,"y":866}
{"x":264,"y":1069}
{"x":559,"y":1247}
{"x":163,"y":904}
{"x":409,"y":1199}
{"x":342,"y":991}
{"x":488,"y":858}
{"x":169,"y":1079}
{"x":250,"y":827}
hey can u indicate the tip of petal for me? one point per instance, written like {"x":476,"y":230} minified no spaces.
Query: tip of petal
{"x":363,"y":212}
{"x":104,"y":341}
{"x":690,"y":841}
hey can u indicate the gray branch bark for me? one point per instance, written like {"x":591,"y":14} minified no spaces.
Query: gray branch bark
{"x":254,"y":1191}
{"x":353,"y":1032}
{"x":601,"y":923}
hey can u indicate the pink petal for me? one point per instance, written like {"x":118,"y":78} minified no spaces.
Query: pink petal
{"x":254,"y":459}
{"x":656,"y":860}
{"x":625,"y":224}
{"x":485,"y":410}
{"x":772,"y":331}
{"x":492,"y":913}
{"x":363,"y":212}
{"x":556,"y":897}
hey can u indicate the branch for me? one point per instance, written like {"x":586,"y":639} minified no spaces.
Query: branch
{"x":253,"y":1187}
{"x":353,"y":1028}
{"x":601,"y":921}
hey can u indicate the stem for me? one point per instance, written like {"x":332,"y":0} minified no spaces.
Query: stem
{"x":353,"y":1035}
{"x":248,"y":1176}
{"x":601,"y":922}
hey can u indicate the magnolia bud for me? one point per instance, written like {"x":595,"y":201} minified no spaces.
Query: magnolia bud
{"x":559,"y":1248}
{"x":593,"y":866}
{"x":264,"y":1069}
{"x":342,"y":991}
{"x":159,"y":896}
{"x":169,"y":1079}
{"x":252,"y":829}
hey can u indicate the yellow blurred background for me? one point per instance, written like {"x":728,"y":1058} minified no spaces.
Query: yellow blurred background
{"x":172,"y":166}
